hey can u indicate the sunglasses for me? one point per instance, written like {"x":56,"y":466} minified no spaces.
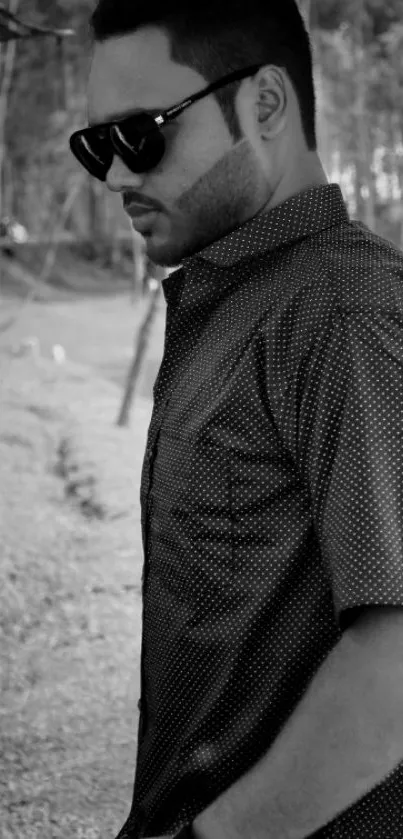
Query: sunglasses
{"x":137,"y":139}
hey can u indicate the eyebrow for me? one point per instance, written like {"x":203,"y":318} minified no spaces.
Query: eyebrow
{"x":117,"y":117}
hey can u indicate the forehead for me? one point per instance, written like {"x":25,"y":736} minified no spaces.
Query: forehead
{"x":136,"y":71}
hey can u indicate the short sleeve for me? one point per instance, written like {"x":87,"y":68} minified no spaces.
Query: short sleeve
{"x":350,"y":448}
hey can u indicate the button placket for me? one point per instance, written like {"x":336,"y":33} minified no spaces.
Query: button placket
{"x":152,"y":444}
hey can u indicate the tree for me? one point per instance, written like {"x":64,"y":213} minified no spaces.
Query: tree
{"x":363,"y":78}
{"x":305,"y":6}
{"x":378,"y":16}
{"x":142,"y":340}
{"x":8,"y":59}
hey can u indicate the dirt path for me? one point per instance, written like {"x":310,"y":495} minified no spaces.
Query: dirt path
{"x":70,"y":575}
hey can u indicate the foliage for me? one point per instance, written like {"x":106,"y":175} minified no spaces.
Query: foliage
{"x":375,"y":16}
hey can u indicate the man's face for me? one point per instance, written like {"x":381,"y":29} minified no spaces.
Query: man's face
{"x":206,"y":185}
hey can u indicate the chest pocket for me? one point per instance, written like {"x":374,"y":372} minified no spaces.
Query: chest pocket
{"x":190,"y":517}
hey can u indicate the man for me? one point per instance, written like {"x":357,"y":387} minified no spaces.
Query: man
{"x":272,"y":489}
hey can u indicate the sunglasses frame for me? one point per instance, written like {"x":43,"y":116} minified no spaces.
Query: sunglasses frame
{"x":160,"y":119}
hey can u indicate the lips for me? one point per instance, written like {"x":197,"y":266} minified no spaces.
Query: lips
{"x":144,"y":222}
{"x":141,"y":214}
{"x":138,"y":210}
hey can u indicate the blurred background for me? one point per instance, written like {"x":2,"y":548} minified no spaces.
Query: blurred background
{"x":81,"y":336}
{"x":358,"y":45}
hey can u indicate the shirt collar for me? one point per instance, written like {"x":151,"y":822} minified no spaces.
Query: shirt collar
{"x":301,"y":215}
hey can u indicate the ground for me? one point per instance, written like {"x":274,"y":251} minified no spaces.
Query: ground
{"x":70,"y":567}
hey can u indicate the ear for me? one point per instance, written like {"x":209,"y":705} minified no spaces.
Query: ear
{"x":271,"y":102}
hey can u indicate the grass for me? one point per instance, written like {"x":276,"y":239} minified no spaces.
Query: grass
{"x":70,"y":571}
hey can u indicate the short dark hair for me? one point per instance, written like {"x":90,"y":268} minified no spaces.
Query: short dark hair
{"x":215,"y":37}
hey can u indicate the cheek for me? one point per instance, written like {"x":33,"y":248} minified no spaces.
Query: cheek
{"x":172,"y":175}
{"x":190,"y":154}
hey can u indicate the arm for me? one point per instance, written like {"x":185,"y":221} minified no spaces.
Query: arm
{"x":345,"y":737}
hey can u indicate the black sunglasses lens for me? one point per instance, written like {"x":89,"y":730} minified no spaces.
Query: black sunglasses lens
{"x":139,"y":142}
{"x":94,"y":151}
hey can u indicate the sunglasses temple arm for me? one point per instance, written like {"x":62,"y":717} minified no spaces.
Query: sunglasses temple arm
{"x":233,"y":77}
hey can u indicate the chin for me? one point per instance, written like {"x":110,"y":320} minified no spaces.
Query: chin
{"x":165,"y":253}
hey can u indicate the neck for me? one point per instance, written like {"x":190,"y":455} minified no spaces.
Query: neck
{"x":307,"y":172}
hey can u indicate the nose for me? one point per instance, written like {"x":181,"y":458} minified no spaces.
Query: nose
{"x":121,"y":177}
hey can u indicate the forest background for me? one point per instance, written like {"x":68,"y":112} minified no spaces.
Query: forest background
{"x":70,"y":545}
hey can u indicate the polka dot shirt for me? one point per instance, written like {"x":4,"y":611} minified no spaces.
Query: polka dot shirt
{"x":272,"y":498}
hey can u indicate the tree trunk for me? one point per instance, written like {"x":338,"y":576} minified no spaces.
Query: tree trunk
{"x":58,"y":229}
{"x":135,"y":369}
{"x":96,"y":214}
{"x":8,"y":55}
{"x":364,"y":153}
{"x":396,"y":143}
{"x":139,"y":263}
{"x":306,"y":8}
